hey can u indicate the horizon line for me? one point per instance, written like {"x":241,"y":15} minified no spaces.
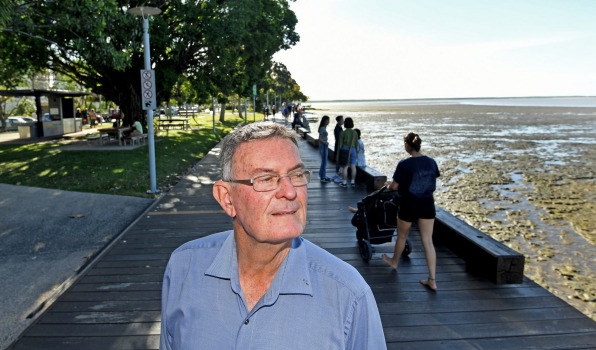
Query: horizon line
{"x":446,"y":98}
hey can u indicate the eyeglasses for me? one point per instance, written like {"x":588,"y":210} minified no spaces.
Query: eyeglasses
{"x":270,"y":182}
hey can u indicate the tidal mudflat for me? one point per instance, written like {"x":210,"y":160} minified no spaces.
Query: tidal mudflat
{"x":524,"y":175}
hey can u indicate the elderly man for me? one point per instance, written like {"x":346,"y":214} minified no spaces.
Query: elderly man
{"x":260,"y":285}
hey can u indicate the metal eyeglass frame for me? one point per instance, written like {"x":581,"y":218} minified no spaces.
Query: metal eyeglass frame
{"x":251,"y":182}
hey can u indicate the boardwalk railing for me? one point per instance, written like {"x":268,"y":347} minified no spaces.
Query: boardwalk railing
{"x":483,"y":254}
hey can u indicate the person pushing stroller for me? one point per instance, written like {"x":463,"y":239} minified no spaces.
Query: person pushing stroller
{"x":415,"y":180}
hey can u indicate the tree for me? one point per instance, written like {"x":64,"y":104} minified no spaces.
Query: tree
{"x":218,"y":45}
{"x":284,"y":85}
{"x":237,"y":62}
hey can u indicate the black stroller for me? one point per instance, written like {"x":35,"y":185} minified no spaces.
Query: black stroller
{"x":376,"y":221}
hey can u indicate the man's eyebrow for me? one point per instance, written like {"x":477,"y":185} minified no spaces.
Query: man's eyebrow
{"x":271,"y":171}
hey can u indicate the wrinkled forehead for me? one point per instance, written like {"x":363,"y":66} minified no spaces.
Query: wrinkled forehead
{"x":273,"y":154}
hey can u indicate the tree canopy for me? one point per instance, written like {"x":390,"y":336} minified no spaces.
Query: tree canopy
{"x":223,"y":46}
{"x":284,"y":85}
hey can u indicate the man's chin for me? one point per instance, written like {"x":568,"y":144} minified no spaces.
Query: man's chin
{"x":289,"y":230}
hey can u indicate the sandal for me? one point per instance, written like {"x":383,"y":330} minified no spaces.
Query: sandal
{"x":427,"y":284}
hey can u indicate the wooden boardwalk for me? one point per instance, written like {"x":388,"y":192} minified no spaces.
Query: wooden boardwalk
{"x":116,"y":304}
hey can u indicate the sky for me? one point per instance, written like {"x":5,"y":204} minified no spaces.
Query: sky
{"x":403,"y":49}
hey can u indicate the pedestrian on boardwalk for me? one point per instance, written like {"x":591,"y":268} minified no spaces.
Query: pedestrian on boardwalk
{"x":360,"y":150}
{"x":324,"y":148}
{"x":336,"y":132}
{"x":415,"y":181}
{"x":244,"y":288}
{"x":348,"y":139}
{"x":285,"y":112}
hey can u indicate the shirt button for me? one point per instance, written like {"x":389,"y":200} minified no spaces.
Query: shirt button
{"x":246,"y":321}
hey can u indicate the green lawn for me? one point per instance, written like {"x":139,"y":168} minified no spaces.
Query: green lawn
{"x":113,"y":172}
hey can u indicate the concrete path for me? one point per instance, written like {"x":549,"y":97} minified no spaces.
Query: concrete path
{"x":46,"y":238}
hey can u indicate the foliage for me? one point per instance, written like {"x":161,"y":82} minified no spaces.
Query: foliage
{"x":24,"y":107}
{"x":5,"y":12}
{"x":111,"y":172}
{"x":220,"y":46}
{"x":284,"y":85}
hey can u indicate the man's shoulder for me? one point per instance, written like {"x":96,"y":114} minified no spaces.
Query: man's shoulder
{"x":325,"y":265}
{"x":215,"y":240}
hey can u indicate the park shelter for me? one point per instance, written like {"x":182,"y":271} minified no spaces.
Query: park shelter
{"x":60,"y":117}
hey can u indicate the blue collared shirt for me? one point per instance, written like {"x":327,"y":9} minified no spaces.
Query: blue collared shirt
{"x":316,"y":301}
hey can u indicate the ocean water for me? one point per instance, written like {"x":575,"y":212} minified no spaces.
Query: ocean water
{"x":378,"y":105}
{"x":520,"y":169}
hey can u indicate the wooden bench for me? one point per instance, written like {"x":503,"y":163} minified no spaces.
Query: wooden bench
{"x":301,"y":131}
{"x":312,"y":140}
{"x":134,"y":139}
{"x":138,"y":139}
{"x":97,"y":138}
{"x":373,"y":179}
{"x":483,"y":254}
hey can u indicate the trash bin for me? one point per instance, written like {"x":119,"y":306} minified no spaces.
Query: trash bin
{"x":28,"y":131}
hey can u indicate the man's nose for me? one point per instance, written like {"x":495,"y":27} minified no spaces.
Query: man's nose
{"x":286,"y":188}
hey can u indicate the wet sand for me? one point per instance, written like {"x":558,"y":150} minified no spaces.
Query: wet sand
{"x":524,"y":175}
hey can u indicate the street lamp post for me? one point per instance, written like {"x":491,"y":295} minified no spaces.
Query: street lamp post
{"x":145,"y":12}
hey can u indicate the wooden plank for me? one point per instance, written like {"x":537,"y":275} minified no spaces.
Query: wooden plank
{"x":106,"y":306}
{"x":95,"y":330}
{"x":490,"y":330}
{"x":73,"y":296}
{"x":118,"y":286}
{"x":476,"y":317}
{"x":90,"y":343}
{"x":128,"y":271}
{"x":571,"y":341}
{"x":105,"y":279}
{"x":104,"y":317}
{"x":518,"y":305}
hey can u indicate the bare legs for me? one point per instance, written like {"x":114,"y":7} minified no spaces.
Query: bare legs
{"x":403,"y":229}
{"x":426,"y":234}
{"x":345,"y":173}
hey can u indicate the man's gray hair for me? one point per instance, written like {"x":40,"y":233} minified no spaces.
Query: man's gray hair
{"x":247,"y":133}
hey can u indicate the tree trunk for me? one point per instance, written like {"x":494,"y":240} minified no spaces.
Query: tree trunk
{"x":3,"y":116}
{"x":124,"y":90}
{"x":222,"y":112}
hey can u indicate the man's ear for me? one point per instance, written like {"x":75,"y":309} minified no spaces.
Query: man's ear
{"x":222,"y":194}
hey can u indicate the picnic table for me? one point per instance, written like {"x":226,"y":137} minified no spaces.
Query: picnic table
{"x":168,"y":123}
{"x":116,"y":133}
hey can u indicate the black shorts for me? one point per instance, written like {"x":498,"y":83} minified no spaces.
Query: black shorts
{"x":411,"y":209}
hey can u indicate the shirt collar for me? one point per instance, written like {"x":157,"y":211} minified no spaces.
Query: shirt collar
{"x":293,"y":276}
{"x":221,"y":266}
{"x":296,"y":277}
